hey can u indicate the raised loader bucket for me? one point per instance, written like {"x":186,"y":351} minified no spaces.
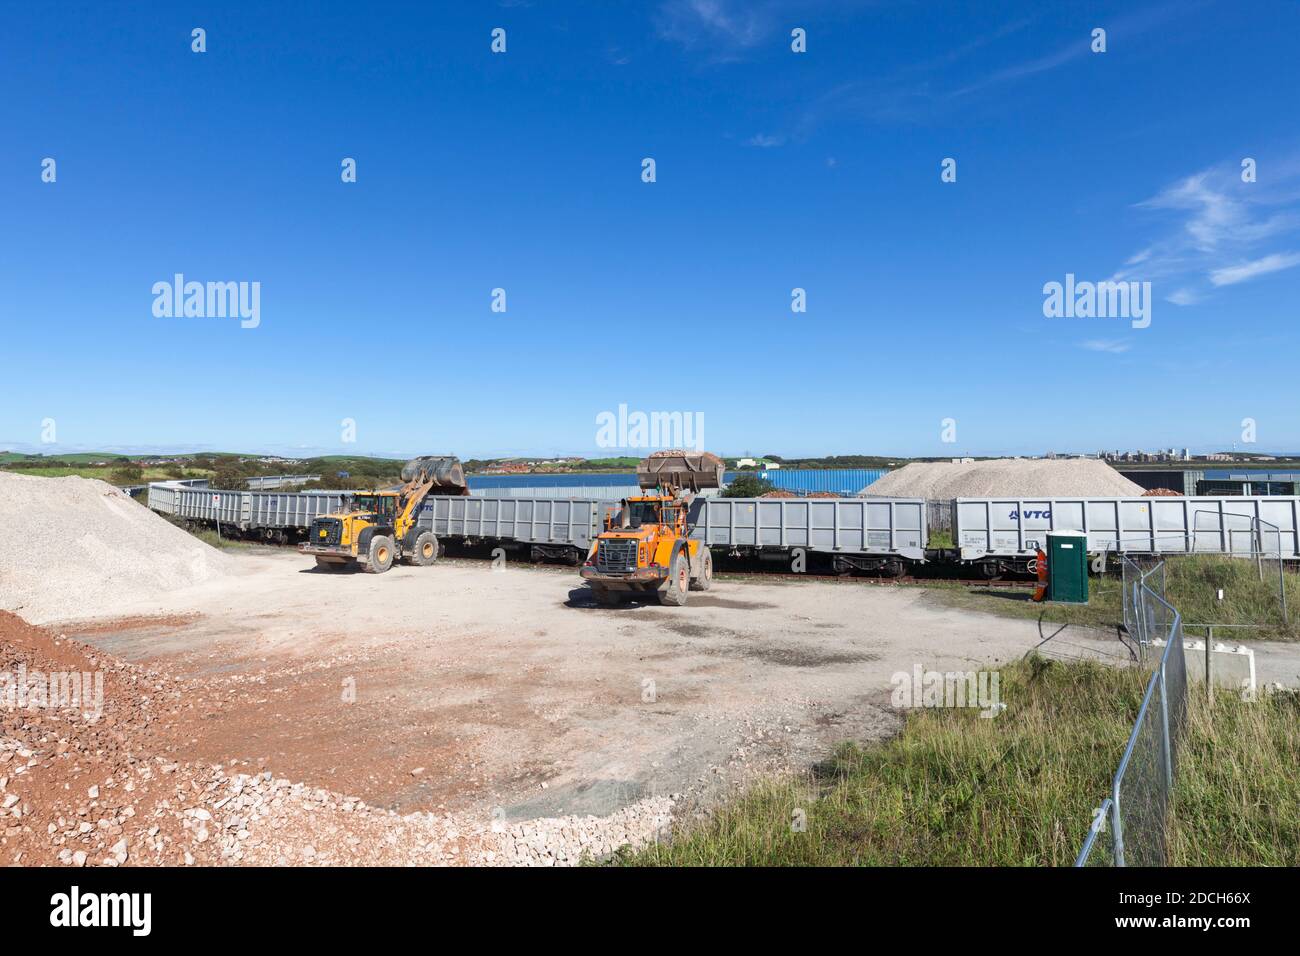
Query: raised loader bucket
{"x":693,"y":470}
{"x":444,"y":471}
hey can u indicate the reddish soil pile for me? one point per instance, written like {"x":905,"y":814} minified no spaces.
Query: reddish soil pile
{"x":92,"y":779}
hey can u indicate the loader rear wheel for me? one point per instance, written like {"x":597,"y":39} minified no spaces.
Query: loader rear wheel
{"x":673,"y":594}
{"x":426,"y":549}
{"x":380,"y":556}
{"x":704,"y":580}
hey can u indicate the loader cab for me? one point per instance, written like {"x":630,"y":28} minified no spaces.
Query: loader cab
{"x":669,"y":515}
{"x":641,"y":511}
{"x":381,"y":505}
{"x":660,"y":511}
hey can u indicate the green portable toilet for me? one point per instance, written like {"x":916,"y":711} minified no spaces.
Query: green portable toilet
{"x":1067,"y":567}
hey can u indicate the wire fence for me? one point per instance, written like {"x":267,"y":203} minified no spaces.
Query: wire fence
{"x":1260,"y":544}
{"x":1136,"y":813}
{"x":1134,"y":574}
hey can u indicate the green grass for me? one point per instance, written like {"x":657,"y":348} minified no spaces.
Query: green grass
{"x":1191,"y":584}
{"x":940,"y":538}
{"x":956,"y":789}
{"x":103,"y":474}
{"x":206,"y":535}
{"x":80,"y":457}
{"x":1236,"y":796}
{"x":210,"y":536}
{"x":1104,"y":608}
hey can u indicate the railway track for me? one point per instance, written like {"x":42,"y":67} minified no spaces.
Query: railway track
{"x":906,"y":580}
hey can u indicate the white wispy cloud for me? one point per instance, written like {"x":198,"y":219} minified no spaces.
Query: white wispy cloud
{"x":1218,"y":230}
{"x":1231,"y":275}
{"x":984,"y":70}
{"x":764,"y":141}
{"x":721,"y":28}
{"x":1113,"y":346}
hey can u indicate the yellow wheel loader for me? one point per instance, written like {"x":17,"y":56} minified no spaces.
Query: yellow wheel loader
{"x":380,"y":528}
{"x":646,"y":548}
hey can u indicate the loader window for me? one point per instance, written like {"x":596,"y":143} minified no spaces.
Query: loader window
{"x":379,"y":504}
{"x":642,"y":512}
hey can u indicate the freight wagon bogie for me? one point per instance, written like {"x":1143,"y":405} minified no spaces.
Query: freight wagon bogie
{"x":991,"y":569}
{"x":806,"y":561}
{"x":887,"y":566}
{"x":537,"y":553}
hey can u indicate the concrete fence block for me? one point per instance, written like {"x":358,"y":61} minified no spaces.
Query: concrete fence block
{"x":1231,"y":665}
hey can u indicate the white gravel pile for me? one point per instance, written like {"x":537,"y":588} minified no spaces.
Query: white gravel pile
{"x":565,"y":841}
{"x":78,"y":547}
{"x":1006,"y":478}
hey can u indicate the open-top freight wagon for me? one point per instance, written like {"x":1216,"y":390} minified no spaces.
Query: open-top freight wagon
{"x":879,"y":535}
{"x":279,"y":516}
{"x":548,"y":528}
{"x":993,"y":536}
{"x":876,"y":535}
{"x":1003,"y":535}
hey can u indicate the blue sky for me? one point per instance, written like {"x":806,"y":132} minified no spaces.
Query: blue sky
{"x":774,"y":169}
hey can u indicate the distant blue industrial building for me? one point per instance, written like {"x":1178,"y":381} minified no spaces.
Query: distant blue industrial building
{"x":801,"y":481}
{"x":805,"y":481}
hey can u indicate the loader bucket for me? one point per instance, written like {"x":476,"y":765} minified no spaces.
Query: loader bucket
{"x":444,"y":471}
{"x":693,"y":470}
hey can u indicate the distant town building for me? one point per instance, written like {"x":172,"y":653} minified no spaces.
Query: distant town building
{"x":1142,"y":455}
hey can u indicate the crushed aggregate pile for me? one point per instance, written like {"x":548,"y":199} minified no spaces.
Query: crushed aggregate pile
{"x":101,"y":779}
{"x":1006,"y":478}
{"x":78,"y":547}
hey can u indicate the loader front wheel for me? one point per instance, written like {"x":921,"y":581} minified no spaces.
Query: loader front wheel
{"x":380,"y":556}
{"x":704,"y":580}
{"x":426,"y":549}
{"x":673,"y":594}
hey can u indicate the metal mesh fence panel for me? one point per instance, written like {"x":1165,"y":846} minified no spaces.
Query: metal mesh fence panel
{"x":1142,"y":789}
{"x":1140,"y":792}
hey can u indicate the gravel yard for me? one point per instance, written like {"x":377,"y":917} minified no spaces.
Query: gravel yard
{"x":452,"y":714}
{"x":256,"y":710}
